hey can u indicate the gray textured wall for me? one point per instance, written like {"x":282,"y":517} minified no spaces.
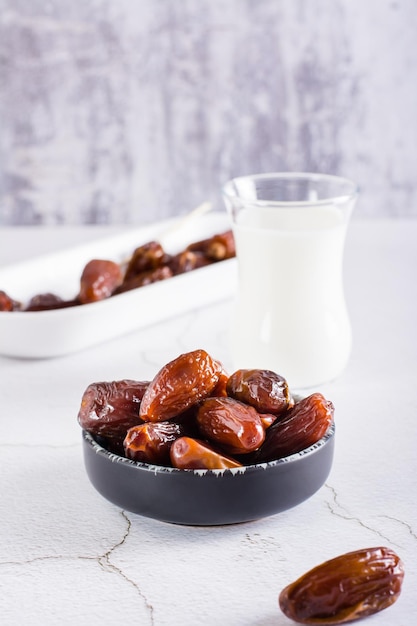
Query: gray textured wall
{"x":116,"y":111}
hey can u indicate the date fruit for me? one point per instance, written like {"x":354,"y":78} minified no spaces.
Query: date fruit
{"x":99,"y":279}
{"x":180,"y":384}
{"x":222,"y":246}
{"x":303,"y":425}
{"x":189,"y":453}
{"x":216,"y":248}
{"x":151,"y":443}
{"x":144,"y":278}
{"x":220,"y":388}
{"x":148,"y":264}
{"x":191,"y":399}
{"x":188,"y":261}
{"x":146,"y":258}
{"x":109,"y":409}
{"x":267,"y":391}
{"x":236,"y":427}
{"x":7,"y":303}
{"x":48,"y":302}
{"x":346,"y":588}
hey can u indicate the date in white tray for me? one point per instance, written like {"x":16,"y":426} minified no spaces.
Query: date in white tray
{"x":45,"y":334}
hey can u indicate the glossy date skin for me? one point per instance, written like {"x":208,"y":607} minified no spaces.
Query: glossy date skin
{"x":345,"y":589}
{"x":220,"y":390}
{"x":151,"y":443}
{"x":216,"y":248}
{"x":98,"y":281}
{"x":265,"y":390}
{"x":146,"y":258}
{"x":201,"y":253}
{"x":190,"y":453}
{"x":109,"y":409}
{"x":302,"y":426}
{"x":189,"y":397}
{"x":179,"y":385}
{"x":235,"y":427}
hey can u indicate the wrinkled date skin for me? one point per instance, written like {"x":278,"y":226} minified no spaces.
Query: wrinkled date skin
{"x":151,"y":443}
{"x":266,"y":391}
{"x":109,"y":409}
{"x":99,"y":279}
{"x":180,"y":384}
{"x":346,"y":588}
{"x":235,"y":427}
{"x":189,"y":453}
{"x":303,"y":425}
{"x":189,"y":400}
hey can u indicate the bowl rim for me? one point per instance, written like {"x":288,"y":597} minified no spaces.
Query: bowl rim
{"x":162,"y":469}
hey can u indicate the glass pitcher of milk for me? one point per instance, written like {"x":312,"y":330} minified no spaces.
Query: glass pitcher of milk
{"x":290,"y":312}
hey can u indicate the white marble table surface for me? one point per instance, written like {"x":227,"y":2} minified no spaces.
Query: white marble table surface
{"x":67,"y":556}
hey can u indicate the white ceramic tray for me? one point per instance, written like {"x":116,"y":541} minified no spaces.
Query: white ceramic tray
{"x":45,"y":334}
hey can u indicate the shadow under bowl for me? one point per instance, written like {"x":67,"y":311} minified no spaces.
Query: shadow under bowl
{"x":209,"y":497}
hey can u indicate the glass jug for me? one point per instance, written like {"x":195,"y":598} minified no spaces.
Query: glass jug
{"x":290,"y":312}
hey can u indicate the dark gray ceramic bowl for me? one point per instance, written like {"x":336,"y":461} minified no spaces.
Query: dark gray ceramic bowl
{"x":209,"y":497}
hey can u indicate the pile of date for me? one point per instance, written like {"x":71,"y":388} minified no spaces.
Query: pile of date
{"x":149,"y":263}
{"x":193,"y":415}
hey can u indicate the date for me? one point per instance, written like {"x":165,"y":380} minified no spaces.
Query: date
{"x":98,"y":281}
{"x":144,"y":278}
{"x":188,"y":261}
{"x":109,"y":409}
{"x":303,"y":425}
{"x":220,"y":388}
{"x":267,"y":391}
{"x":146,"y":258}
{"x":151,"y":443}
{"x":216,"y":248}
{"x":201,"y":253}
{"x":148,"y":264}
{"x":189,"y":453}
{"x":48,"y":302}
{"x":7,"y":303}
{"x":347,"y":588}
{"x":235,"y":427}
{"x":189,"y":397}
{"x":179,"y":385}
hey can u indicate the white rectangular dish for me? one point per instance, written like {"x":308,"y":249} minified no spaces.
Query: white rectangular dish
{"x":52,"y":333}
